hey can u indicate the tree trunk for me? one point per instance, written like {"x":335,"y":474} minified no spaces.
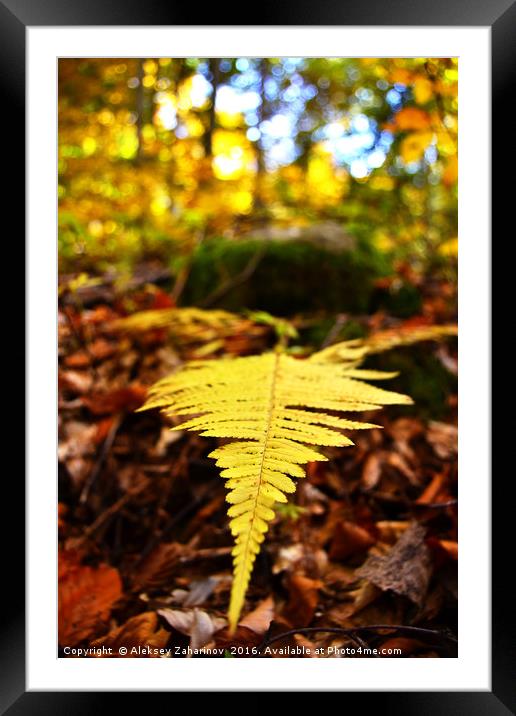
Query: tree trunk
{"x":208,"y":135}
{"x":262,"y":115}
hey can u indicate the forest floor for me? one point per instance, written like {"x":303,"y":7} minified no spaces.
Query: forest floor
{"x":365,"y":557}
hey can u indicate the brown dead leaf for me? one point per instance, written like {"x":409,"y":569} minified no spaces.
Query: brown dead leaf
{"x":372,"y":470}
{"x":79,"y":439}
{"x":197,"y":593}
{"x":288,"y":557}
{"x":260,"y":618}
{"x":450,"y":547}
{"x":195,"y":623}
{"x":98,"y":350}
{"x":433,"y":488}
{"x":405,"y":429}
{"x":78,"y":468}
{"x":443,"y":438}
{"x":79,"y":359}
{"x":389,"y":530}
{"x":405,"y":569}
{"x":303,"y":598}
{"x":366,"y":593}
{"x":309,"y":647}
{"x":76,"y":381}
{"x":158,"y":567}
{"x":103,"y":428}
{"x":399,"y":463}
{"x":167,"y":437}
{"x":115,"y":401}
{"x":349,"y":539}
{"x":99,"y":315}
{"x":86,"y":597}
{"x":141,"y":633}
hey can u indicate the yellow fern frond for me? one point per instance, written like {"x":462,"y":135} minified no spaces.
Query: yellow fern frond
{"x":185,"y":319}
{"x":358,"y":348}
{"x":201,"y":331}
{"x":274,"y":408}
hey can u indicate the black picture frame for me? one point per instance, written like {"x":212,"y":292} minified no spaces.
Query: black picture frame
{"x":500,"y":16}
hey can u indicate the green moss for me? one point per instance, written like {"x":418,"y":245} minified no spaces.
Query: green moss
{"x":291,"y":277}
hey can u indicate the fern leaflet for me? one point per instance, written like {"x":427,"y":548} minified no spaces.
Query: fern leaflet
{"x":359,"y":348}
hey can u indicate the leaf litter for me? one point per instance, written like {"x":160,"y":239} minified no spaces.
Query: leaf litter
{"x":145,"y":556}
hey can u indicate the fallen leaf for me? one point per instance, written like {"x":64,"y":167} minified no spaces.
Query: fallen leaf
{"x":86,"y":597}
{"x":98,"y":350}
{"x":309,"y":648}
{"x":79,"y":440}
{"x":371,"y":471}
{"x":167,"y":437}
{"x":103,"y":428}
{"x":158,"y":567}
{"x":349,"y":539}
{"x":405,"y":569}
{"x":303,"y":598}
{"x":78,"y":382}
{"x":98,"y":315}
{"x":451,"y":547}
{"x":366,"y":593}
{"x":140,"y":632}
{"x":260,"y":618}
{"x":389,"y":530}
{"x":433,"y":488}
{"x":115,"y":401}
{"x":288,"y":557}
{"x":79,"y":359}
{"x":78,"y":468}
{"x":405,"y":429}
{"x":160,"y":299}
{"x":443,"y":438}
{"x":197,"y":593}
{"x":195,"y":623}
{"x":399,"y":463}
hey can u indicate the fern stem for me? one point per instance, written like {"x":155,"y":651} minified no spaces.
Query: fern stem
{"x":243,"y":575}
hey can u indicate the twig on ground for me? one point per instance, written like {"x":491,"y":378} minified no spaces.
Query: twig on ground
{"x":103,"y":453}
{"x":110,"y":511}
{"x":334,"y":330}
{"x":241,"y":278}
{"x":184,"y":512}
{"x":353,"y":632}
{"x":184,"y":273}
{"x":81,"y":339}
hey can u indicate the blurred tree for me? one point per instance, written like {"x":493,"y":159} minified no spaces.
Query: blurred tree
{"x":153,"y":149}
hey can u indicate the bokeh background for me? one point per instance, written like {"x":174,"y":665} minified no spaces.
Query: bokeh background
{"x":156,"y":153}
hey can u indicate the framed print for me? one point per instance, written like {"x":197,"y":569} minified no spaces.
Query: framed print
{"x":268,"y":250}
